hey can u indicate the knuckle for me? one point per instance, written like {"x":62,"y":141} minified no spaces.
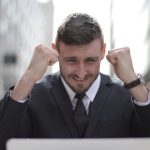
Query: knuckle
{"x":38,"y":46}
{"x":41,"y":48}
{"x":127,"y":49}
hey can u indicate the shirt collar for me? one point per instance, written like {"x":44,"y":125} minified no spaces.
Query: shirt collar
{"x":90,"y":93}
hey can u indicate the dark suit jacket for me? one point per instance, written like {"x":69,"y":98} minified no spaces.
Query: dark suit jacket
{"x":48,"y":113}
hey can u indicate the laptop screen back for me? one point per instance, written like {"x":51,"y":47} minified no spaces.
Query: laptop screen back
{"x":79,"y":144}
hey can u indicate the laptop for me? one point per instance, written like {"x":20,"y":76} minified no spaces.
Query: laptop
{"x":79,"y":144}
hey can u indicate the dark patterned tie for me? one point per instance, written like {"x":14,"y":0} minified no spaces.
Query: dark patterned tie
{"x":80,"y":115}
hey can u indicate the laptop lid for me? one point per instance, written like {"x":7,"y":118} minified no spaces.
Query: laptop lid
{"x":80,"y":144}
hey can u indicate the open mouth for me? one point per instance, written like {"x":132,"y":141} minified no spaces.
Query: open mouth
{"x":80,"y":79}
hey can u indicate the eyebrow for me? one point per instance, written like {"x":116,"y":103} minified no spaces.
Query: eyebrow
{"x":68,"y":58}
{"x":88,"y":58}
{"x":94,"y":57}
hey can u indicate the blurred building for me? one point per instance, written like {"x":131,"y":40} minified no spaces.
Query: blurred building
{"x":130,"y":26}
{"x":23,"y":25}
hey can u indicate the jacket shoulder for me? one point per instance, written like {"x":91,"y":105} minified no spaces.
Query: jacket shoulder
{"x":47,"y":81}
{"x":116,"y":86}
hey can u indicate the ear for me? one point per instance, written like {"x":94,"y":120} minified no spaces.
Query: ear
{"x":103,"y":51}
{"x":54,"y":46}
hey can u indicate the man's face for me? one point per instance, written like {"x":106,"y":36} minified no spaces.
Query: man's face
{"x":80,"y":64}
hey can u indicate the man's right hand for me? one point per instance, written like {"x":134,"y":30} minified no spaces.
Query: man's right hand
{"x":41,"y":59}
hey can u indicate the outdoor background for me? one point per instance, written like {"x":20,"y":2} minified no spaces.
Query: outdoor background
{"x":27,"y":23}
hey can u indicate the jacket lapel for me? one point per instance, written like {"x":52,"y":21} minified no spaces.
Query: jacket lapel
{"x":97,"y":105}
{"x":64,"y":105}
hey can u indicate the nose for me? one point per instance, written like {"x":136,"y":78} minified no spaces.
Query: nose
{"x":81,"y":71}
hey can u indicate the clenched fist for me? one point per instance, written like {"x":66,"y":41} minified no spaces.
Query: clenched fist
{"x":41,"y":59}
{"x":122,"y":63}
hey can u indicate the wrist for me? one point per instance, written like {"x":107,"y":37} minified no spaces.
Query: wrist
{"x":139,"y":93}
{"x":130,"y":78}
{"x":23,"y":87}
{"x":138,"y":80}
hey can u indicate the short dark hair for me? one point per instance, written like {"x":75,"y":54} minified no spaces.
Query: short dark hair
{"x":79,"y":29}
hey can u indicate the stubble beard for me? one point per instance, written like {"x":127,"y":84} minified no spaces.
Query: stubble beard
{"x":80,"y":88}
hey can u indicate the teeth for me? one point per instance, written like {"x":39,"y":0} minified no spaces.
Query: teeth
{"x":79,"y":79}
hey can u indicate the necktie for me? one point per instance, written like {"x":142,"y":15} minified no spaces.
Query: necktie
{"x":80,"y":115}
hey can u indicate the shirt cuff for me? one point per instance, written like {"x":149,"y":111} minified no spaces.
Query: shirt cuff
{"x":143,"y":103}
{"x":20,"y":101}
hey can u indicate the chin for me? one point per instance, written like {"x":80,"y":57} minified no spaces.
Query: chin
{"x":81,"y":89}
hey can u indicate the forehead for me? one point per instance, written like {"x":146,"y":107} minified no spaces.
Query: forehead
{"x":90,"y":48}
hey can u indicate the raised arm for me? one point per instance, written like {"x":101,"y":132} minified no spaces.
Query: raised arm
{"x":122,"y":63}
{"x":41,"y":59}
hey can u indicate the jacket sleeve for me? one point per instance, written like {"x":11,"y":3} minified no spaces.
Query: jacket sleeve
{"x":11,"y":114}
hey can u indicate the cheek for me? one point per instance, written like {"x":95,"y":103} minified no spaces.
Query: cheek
{"x":66,"y":69}
{"x":94,"y":68}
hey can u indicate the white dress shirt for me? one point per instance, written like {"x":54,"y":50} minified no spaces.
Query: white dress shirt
{"x":89,"y":95}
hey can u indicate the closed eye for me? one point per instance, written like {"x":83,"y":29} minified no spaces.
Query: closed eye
{"x":92,"y":60}
{"x":70,"y":60}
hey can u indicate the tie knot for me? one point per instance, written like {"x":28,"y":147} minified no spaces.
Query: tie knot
{"x":80,"y":96}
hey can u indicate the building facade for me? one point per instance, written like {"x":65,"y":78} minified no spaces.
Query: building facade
{"x":23,"y":25}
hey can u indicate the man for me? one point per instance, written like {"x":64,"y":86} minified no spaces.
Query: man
{"x":48,"y":109}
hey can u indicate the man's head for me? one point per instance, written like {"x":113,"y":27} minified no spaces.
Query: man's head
{"x":78,"y":29}
{"x":81,"y":48}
